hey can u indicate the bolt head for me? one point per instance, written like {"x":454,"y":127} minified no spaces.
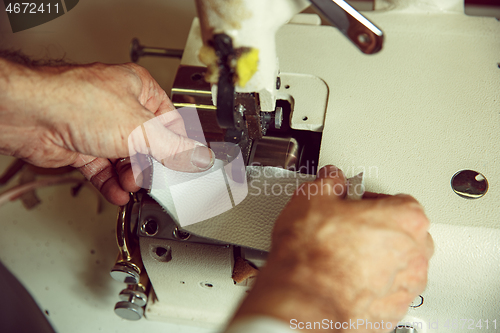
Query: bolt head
{"x":129,"y":311}
{"x":125,"y":274}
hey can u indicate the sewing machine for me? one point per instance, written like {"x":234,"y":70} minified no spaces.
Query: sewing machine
{"x":292,"y":93}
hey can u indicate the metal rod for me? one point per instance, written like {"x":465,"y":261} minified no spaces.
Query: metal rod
{"x":137,"y":51}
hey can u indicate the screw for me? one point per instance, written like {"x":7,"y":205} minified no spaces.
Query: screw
{"x":149,"y":227}
{"x":363,"y":38}
{"x":179,"y":234}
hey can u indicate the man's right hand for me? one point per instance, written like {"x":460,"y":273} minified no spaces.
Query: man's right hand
{"x":84,"y":115}
{"x":343,"y":260}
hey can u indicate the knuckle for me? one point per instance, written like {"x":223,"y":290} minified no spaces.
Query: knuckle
{"x":414,"y":215}
{"x":420,"y":220}
{"x":406,"y":198}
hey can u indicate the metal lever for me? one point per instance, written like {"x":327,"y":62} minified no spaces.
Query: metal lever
{"x":223,"y":45}
{"x":128,"y":266}
{"x":360,"y":31}
{"x":137,"y":50}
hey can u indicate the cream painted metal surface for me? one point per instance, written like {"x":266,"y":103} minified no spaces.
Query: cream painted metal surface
{"x":194,"y":286}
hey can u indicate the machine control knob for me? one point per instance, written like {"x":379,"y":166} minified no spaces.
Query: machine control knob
{"x":129,"y":311}
{"x":125,"y":273}
{"x":131,"y":306}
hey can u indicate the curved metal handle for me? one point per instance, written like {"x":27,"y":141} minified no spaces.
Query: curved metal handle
{"x":360,"y":31}
{"x":122,"y":232}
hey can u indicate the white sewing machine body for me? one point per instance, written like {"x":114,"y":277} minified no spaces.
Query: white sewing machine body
{"x":410,"y":117}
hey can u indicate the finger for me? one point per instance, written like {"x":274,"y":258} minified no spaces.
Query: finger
{"x":166,"y":113}
{"x":405,"y":198}
{"x":372,"y":195}
{"x":408,"y":213}
{"x":429,"y":246}
{"x":100,"y":172}
{"x":174,"y":151}
{"x":332,"y":181}
{"x":413,"y":278}
{"x":173,"y":121}
{"x":152,"y":96}
{"x":128,"y":183}
{"x":391,"y":308}
{"x":165,"y":105}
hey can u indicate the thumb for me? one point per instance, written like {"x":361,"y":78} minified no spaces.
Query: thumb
{"x":174,"y":151}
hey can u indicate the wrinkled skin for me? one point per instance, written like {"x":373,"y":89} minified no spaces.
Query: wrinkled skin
{"x":82,"y":116}
{"x":341,"y":259}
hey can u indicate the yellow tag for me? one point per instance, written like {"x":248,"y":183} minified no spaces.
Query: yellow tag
{"x":247,"y":66}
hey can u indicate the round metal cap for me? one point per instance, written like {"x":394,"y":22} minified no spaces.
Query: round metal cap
{"x":125,"y":274}
{"x":129,"y":311}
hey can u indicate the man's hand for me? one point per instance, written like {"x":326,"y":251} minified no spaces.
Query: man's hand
{"x":339,"y":259}
{"x":83,"y":115}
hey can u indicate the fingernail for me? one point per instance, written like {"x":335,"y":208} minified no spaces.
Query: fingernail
{"x":139,"y":180}
{"x":202,"y":158}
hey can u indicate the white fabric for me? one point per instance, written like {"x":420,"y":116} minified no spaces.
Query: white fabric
{"x":248,"y":223}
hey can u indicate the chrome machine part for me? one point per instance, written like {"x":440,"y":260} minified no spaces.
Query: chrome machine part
{"x":360,"y":31}
{"x":129,"y":268}
{"x":137,"y":51}
{"x":125,"y":273}
{"x":278,"y":117}
{"x":133,"y":299}
{"x":128,"y":310}
{"x":469,"y":184}
{"x":134,"y":295}
{"x":128,"y":264}
{"x":278,"y":152}
{"x":122,"y":233}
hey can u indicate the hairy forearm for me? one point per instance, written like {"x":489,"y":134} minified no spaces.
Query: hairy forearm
{"x":17,"y":83}
{"x":25,"y":102}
